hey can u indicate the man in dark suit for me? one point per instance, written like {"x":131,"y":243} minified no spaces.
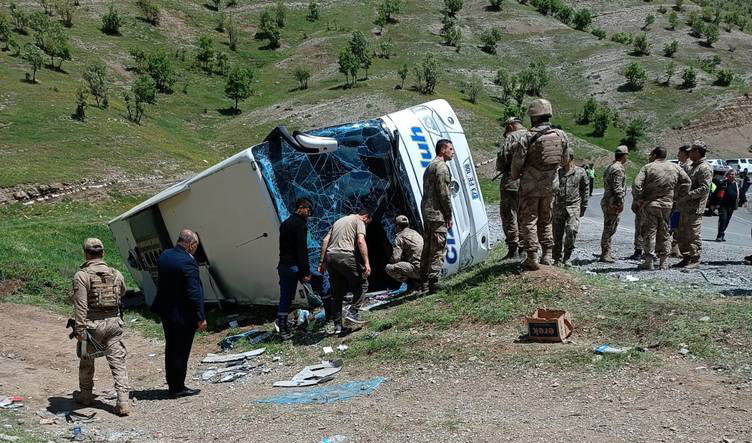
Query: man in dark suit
{"x":180,"y":305}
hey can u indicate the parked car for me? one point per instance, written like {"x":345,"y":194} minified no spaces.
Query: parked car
{"x":719,"y":166}
{"x":740,"y":164}
{"x":236,"y":206}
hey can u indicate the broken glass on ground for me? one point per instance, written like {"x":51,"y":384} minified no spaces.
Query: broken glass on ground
{"x":254,"y":337}
{"x":326,"y":394}
{"x":229,"y":373}
{"x":312,"y":375}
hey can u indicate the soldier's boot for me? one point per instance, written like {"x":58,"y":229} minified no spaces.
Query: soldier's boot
{"x":566,"y":261}
{"x":547,"y":258}
{"x":647,"y":264}
{"x":675,"y":251}
{"x":663,"y":264}
{"x":531,"y":261}
{"x":606,"y":257}
{"x":694,"y":263}
{"x":85,"y":397}
{"x":636,"y":256}
{"x":513,"y":253}
{"x":683,"y":263}
{"x":121,"y":407}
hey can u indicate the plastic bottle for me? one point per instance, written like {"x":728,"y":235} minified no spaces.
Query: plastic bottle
{"x":77,"y":434}
{"x":335,"y":439}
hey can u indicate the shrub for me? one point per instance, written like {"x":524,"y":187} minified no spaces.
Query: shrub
{"x":142,"y":91}
{"x":535,"y":77}
{"x":217,"y":4}
{"x":497,"y":4}
{"x":205,"y":52}
{"x":712,"y":33}
{"x":662,"y":9}
{"x":641,"y":44}
{"x":389,"y":8}
{"x":708,"y":64}
{"x":386,"y":48}
{"x":670,"y":48}
{"x":232,"y":33}
{"x":507,"y":82}
{"x":698,"y":27}
{"x":451,"y":31}
{"x":635,"y":131}
{"x":601,"y":120}
{"x":679,"y":5}
{"x":280,"y":14}
{"x":402,"y":72}
{"x":81,"y":95}
{"x":221,"y":63}
{"x":159,"y":67}
{"x":565,"y":14}
{"x":20,"y":18}
{"x":649,"y":20}
{"x":95,"y":77}
{"x":624,"y":38}
{"x":150,"y":10}
{"x":636,"y":76}
{"x":34,"y":57}
{"x":139,"y":57}
{"x":238,"y":86}
{"x":302,"y":74}
{"x":65,"y":10}
{"x":689,"y":78}
{"x":588,"y":111}
{"x":314,"y":11}
{"x":452,"y":7}
{"x":269,"y":29}
{"x":673,"y":20}
{"x":724,"y":77}
{"x":489,"y":38}
{"x":111,"y":21}
{"x":427,"y":74}
{"x":600,"y":33}
{"x":474,"y":89}
{"x":582,"y":19}
{"x":670,"y":71}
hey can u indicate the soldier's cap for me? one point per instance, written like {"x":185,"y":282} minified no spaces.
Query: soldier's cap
{"x":699,"y":144}
{"x":685,"y":148}
{"x":401,"y":220}
{"x":93,"y":244}
{"x":622,"y":150}
{"x":511,"y":120}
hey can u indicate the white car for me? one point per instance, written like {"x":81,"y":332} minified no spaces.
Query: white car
{"x":237,"y":206}
{"x":719,"y":166}
{"x":740,"y":164}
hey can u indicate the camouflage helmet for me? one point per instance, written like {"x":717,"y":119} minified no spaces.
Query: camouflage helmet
{"x":540,"y":107}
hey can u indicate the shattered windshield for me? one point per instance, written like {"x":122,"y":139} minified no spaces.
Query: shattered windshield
{"x":362,"y":173}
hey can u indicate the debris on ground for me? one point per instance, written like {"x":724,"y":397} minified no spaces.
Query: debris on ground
{"x":4,"y":437}
{"x":383,"y":298}
{"x":253,"y":336}
{"x":548,"y":325}
{"x":705,"y":318}
{"x":328,"y":349}
{"x":335,"y":439}
{"x":214,"y":358}
{"x":683,"y":350}
{"x":608,"y":349}
{"x":229,"y":373}
{"x":11,"y":402}
{"x":312,"y":375}
{"x":78,"y":417}
{"x":631,"y":278}
{"x":326,"y":394}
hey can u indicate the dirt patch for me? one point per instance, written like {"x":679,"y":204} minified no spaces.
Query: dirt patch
{"x":10,"y":287}
{"x":313,"y":53}
{"x":550,"y":278}
{"x":175,"y":26}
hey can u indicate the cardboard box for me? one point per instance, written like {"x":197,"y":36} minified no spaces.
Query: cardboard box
{"x":549,"y":325}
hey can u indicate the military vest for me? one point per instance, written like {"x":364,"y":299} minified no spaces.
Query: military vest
{"x":104,"y":291}
{"x":546,"y":150}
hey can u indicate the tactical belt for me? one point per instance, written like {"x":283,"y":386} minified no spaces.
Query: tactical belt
{"x":102,"y":315}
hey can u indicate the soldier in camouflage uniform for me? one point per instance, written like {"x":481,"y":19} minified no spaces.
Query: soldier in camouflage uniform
{"x":404,"y":266}
{"x":639,"y":239}
{"x":509,"y":189}
{"x":692,"y":206}
{"x":654,"y":191}
{"x":537,"y":156}
{"x":612,"y":204}
{"x":436,"y":207}
{"x":569,"y":205}
{"x":97,"y":289}
{"x":683,"y":158}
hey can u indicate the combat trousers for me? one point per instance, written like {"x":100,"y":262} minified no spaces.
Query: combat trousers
{"x":690,"y":241}
{"x":178,"y":343}
{"x":434,"y":250}
{"x":639,"y":235}
{"x":403,"y":271}
{"x":345,"y":276}
{"x":536,"y":229}
{"x":655,"y":231}
{"x":107,"y":332}
{"x":508,"y":209}
{"x":566,"y":225}
{"x":610,"y":224}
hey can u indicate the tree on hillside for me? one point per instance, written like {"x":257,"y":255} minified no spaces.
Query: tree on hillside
{"x":380,"y":21}
{"x":497,"y":5}
{"x":451,"y":31}
{"x":47,"y":6}
{"x":302,"y":74}
{"x":65,"y":10}
{"x":269,"y":29}
{"x":361,"y":49}
{"x":111,"y":21}
{"x":507,"y":82}
{"x":205,"y":52}
{"x":452,"y":7}
{"x":670,"y":71}
{"x":6,"y":35}
{"x":239,"y":85}
{"x":588,"y":111}
{"x":159,"y":66}
{"x":427,"y":74}
{"x":635,"y":131}
{"x":314,"y":11}
{"x":280,"y":14}
{"x":386,"y":48}
{"x":95,"y":77}
{"x":689,"y":78}
{"x":221,"y":63}
{"x":388,"y":8}
{"x":232,"y":33}
{"x":724,"y":77}
{"x":636,"y":76}
{"x":649,"y":20}
{"x":53,"y":40}
{"x":641,"y":44}
{"x":20,"y":18}
{"x":35,"y":58}
{"x":489,"y":38}
{"x":143,"y":90}
{"x":565,"y":14}
{"x":582,"y":19}
{"x":150,"y":11}
{"x":402,"y":72}
{"x":712,"y":33}
{"x":534,"y":78}
{"x":601,"y":119}
{"x":673,"y":20}
{"x":670,"y":48}
{"x":81,"y":95}
{"x":474,"y":89}
{"x":348,"y":65}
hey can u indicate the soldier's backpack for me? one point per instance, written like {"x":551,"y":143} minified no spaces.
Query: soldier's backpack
{"x":104,"y":290}
{"x":547,"y":149}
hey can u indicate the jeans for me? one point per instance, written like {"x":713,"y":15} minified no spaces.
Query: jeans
{"x":288,"y":284}
{"x":724,"y":217}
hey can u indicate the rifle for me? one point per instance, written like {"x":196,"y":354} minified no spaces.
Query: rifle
{"x":82,"y":349}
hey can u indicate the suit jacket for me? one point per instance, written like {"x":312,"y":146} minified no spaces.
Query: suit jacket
{"x":180,"y":294}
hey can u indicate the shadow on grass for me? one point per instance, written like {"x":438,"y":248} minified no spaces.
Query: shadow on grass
{"x":229,"y":112}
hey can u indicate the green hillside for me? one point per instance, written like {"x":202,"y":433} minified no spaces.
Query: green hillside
{"x":195,"y":125}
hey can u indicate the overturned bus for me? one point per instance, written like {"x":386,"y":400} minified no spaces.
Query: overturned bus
{"x":237,"y":206}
